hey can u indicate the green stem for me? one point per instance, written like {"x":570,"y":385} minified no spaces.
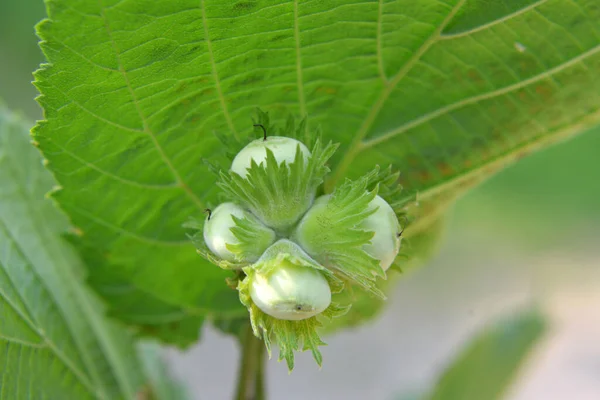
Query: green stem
{"x":251,"y":381}
{"x":260,"y":374}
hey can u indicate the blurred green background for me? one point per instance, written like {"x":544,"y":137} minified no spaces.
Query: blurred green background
{"x":530,"y":234}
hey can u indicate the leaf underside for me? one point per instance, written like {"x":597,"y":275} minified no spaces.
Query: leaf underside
{"x":447,"y":92}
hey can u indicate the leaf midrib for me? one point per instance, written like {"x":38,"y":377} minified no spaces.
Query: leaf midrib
{"x":299,"y":78}
{"x":213,"y":66}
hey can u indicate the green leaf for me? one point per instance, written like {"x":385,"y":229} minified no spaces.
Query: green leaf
{"x":487,"y":367}
{"x":148,"y":315}
{"x":447,"y":92}
{"x":162,"y":385}
{"x":46,"y":315}
{"x":54,"y":340}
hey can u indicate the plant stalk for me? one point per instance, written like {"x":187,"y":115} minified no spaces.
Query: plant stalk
{"x":251,"y":380}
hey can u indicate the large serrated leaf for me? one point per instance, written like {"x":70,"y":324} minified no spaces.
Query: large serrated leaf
{"x":448,"y":92}
{"x":54,"y":340}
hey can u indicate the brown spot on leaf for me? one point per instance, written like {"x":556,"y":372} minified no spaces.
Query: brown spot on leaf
{"x":474,"y":76}
{"x":413,"y":160}
{"x":279,"y":37}
{"x":149,"y":329}
{"x":523,"y":95}
{"x":526,"y":64}
{"x":522,"y":154}
{"x":545,"y":91}
{"x":250,"y":79}
{"x":496,"y":132}
{"x":181,"y":87}
{"x":423,"y":175}
{"x":445,"y":168}
{"x":326,"y":90}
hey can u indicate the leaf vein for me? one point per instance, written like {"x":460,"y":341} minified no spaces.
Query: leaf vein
{"x":496,"y":163}
{"x":126,"y":232}
{"x":22,"y":342}
{"x":93,"y":114}
{"x":561,"y":28}
{"x":490,"y":24}
{"x":82,"y":377}
{"x":356,"y":144}
{"x":147,"y":129}
{"x":113,"y":176}
{"x":299,"y":77}
{"x":474,"y":99}
{"x":380,"y":63}
{"x":215,"y":73}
